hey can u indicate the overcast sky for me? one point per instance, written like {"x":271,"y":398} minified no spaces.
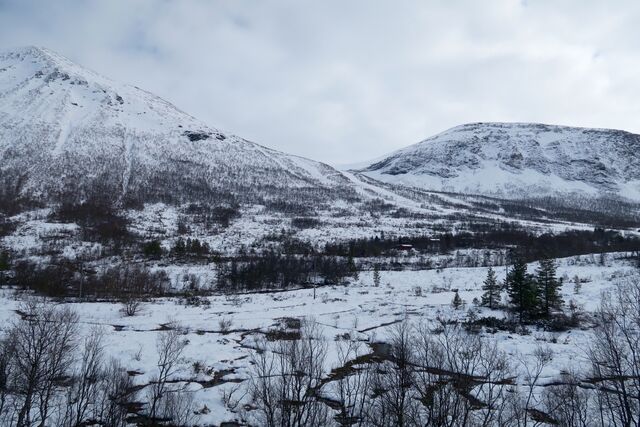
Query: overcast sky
{"x":344,"y":81}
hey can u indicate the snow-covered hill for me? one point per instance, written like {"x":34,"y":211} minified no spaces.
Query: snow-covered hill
{"x":67,"y":133}
{"x":518,"y":160}
{"x":64,"y":128}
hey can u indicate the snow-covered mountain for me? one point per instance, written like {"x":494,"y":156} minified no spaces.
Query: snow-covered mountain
{"x":63,"y":129}
{"x":518,"y":160}
{"x":69,"y":133}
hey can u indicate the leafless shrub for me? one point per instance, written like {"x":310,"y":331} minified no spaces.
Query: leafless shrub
{"x":168,"y":402}
{"x":177,"y":407}
{"x":234,"y":299}
{"x":224,"y":324}
{"x":44,"y":380}
{"x":131,"y":306}
{"x":392,"y":382}
{"x":116,"y":391}
{"x":523,"y":401}
{"x":461,"y":378}
{"x":285,"y":380}
{"x":44,"y":341}
{"x":85,"y":388}
{"x":350,"y":383}
{"x":615,"y":355}
{"x":568,"y":403}
{"x":233,"y":396}
{"x":7,"y":364}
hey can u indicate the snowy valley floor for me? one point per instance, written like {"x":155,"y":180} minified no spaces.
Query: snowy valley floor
{"x":222,"y":333}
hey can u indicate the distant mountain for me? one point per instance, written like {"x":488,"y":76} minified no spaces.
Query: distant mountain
{"x":518,"y":161}
{"x":68,"y":134}
{"x":67,"y":130}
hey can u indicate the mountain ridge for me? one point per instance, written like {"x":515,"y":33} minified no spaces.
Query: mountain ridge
{"x":518,"y":160}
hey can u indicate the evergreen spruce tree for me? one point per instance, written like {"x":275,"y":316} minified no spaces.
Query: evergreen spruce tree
{"x":548,"y":287}
{"x":179,"y":248}
{"x":233,"y":276}
{"x":491,"y":288}
{"x":577,"y":284}
{"x":4,"y":261}
{"x":521,"y":289}
{"x":152,"y":249}
{"x":457,"y":301}
{"x":376,"y":276}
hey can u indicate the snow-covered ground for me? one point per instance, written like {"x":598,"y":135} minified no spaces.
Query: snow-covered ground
{"x":360,"y":309}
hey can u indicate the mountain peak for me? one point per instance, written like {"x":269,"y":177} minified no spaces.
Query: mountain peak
{"x":41,"y":57}
{"x":65,"y":126}
{"x":25,"y":51}
{"x":41,"y":63}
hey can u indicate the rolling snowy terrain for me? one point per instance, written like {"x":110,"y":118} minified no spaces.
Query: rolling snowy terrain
{"x":222,"y":332}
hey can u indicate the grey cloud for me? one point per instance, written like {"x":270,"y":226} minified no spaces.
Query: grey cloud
{"x":344,"y":81}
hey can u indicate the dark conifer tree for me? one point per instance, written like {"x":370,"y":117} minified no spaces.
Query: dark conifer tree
{"x":457,"y":302}
{"x":521,"y":289}
{"x":548,"y":287}
{"x":179,"y":247}
{"x":376,"y":275}
{"x":4,"y":261}
{"x":353,"y":269}
{"x":491,"y":288}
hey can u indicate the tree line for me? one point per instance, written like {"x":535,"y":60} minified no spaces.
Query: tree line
{"x":63,"y":278}
{"x":530,"y":246}
{"x":273,"y":269}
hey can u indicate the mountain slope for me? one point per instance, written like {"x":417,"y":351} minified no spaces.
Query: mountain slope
{"x":68,"y":134}
{"x":519,"y":160}
{"x":67,"y":130}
